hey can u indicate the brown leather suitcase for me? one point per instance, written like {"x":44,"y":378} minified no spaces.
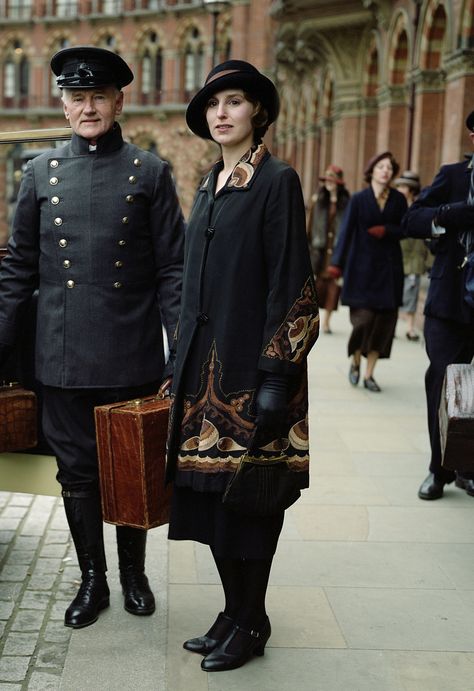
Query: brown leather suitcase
{"x":131,"y":441}
{"x":18,"y":418}
{"x":456,"y":418}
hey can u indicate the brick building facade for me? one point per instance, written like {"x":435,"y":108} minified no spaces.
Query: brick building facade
{"x":355,"y":77}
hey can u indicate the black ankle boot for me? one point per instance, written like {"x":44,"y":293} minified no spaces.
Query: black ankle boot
{"x":237,"y":648}
{"x":131,"y":544}
{"x":84,"y":517}
{"x":207,"y":643}
{"x":92,"y":597}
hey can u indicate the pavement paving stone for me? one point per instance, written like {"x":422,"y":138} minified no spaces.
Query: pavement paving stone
{"x":27,"y":620}
{"x":6,"y":536}
{"x":21,"y":556}
{"x":19,"y":644}
{"x":6,"y":609}
{"x":44,"y":681}
{"x":13,"y":668}
{"x":10,"y":687}
{"x":14,"y":572}
{"x":34,"y":599}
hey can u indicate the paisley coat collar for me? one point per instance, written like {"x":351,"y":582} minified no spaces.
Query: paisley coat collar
{"x":244,"y":171}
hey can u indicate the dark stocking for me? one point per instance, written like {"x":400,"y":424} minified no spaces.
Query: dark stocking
{"x":230,"y":573}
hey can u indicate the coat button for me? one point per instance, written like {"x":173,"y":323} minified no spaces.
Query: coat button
{"x":125,"y":220}
{"x":118,"y":265}
{"x":202,"y":319}
{"x":70,"y":284}
{"x":129,"y":198}
{"x":53,"y":181}
{"x":58,"y":221}
{"x":122,"y":242}
{"x":137,"y":162}
{"x":210,"y":232}
{"x":132,"y":179}
{"x":54,"y":200}
{"x":66,"y":263}
{"x":117,"y":284}
{"x":63,"y":242}
{"x":54,"y":163}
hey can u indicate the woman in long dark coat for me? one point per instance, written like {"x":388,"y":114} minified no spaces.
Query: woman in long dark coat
{"x":369,"y":256}
{"x":248,"y":320}
{"x":325,"y":216}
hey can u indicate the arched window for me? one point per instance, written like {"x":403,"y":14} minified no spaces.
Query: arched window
{"x":151,"y":69}
{"x":16,"y":77}
{"x":193,"y":75}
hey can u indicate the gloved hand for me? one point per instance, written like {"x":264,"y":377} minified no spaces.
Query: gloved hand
{"x":334,"y":271}
{"x":455,"y":216}
{"x":271,"y":400}
{"x":376,"y":231}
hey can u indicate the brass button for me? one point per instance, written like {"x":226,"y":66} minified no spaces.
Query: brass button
{"x":117,"y":284}
{"x":66,"y":263}
{"x":70,"y":284}
{"x":132,"y":179}
{"x":54,"y":163}
{"x":125,"y":220}
{"x":53,"y":181}
{"x":63,"y":242}
{"x":118,"y":265}
{"x":129,"y":198}
{"x":137,"y":162}
{"x":58,"y":221}
{"x":55,"y":200}
{"x":122,"y":243}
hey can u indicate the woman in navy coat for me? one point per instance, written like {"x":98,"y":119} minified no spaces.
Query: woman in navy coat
{"x":369,"y":257}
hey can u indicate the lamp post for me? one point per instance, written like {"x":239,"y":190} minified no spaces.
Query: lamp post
{"x":215,"y":7}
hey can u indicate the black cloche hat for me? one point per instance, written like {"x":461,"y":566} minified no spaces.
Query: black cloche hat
{"x":232,"y":74}
{"x":87,"y":67}
{"x":470,"y":122}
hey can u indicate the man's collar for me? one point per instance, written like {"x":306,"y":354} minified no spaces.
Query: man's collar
{"x":110,"y":141}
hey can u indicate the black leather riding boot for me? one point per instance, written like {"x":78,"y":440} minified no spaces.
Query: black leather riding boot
{"x":84,"y":516}
{"x":131,"y":543}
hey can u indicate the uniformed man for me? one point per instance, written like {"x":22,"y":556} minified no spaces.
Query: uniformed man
{"x":444,"y":212}
{"x":99,"y":230}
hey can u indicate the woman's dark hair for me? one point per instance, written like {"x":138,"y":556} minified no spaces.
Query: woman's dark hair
{"x":323,"y":198}
{"x":259,"y":118}
{"x":373,"y":162}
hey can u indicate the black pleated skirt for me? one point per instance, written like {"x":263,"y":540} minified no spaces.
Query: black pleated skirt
{"x":372,"y":330}
{"x":202,"y":517}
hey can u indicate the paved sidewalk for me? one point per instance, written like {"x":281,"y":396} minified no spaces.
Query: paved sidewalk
{"x":371,"y":589}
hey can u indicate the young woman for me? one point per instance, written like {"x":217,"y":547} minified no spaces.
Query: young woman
{"x":248,"y":320}
{"x":324,"y":222}
{"x":368,"y":253}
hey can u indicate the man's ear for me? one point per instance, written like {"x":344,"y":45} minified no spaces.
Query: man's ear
{"x":119,"y":103}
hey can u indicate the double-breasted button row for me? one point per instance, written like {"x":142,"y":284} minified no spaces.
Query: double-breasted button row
{"x":55,"y":200}
{"x":62,"y":242}
{"x":54,"y":180}
{"x":54,"y":163}
{"x":70,"y":284}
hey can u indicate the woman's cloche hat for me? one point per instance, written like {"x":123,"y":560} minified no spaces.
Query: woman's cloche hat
{"x":88,"y":67}
{"x":334,"y":174}
{"x":232,"y":74}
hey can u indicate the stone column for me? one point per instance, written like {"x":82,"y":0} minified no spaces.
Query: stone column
{"x":392,"y":123}
{"x":346,"y":135}
{"x":428,"y":124}
{"x":458,"y":104}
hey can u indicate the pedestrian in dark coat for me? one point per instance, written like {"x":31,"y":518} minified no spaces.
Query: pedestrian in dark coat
{"x":248,"y":320}
{"x":325,"y":216}
{"x":442,"y":213}
{"x":98,"y":229}
{"x":368,"y":254}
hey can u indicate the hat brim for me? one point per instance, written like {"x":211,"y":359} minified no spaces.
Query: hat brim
{"x":256,"y":85}
{"x":338,"y":181}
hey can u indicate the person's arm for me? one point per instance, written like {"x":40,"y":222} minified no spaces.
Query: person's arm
{"x":168,"y":235}
{"x":348,"y":223}
{"x":19,"y":269}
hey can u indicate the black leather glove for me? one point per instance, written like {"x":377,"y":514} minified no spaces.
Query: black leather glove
{"x":271,"y":400}
{"x":455,"y":216}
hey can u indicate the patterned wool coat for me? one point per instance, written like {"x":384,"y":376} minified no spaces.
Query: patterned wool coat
{"x":248,"y":307}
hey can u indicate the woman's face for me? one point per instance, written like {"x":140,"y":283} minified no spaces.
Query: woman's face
{"x":382,"y":172}
{"x":229,"y":118}
{"x":330,"y":185}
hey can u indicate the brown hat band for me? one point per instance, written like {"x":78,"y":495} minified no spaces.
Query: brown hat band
{"x":220,"y":74}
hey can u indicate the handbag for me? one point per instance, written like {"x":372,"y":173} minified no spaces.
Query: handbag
{"x":18,"y":418}
{"x":262,"y":487}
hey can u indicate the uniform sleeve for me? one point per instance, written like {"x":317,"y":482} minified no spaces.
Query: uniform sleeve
{"x":168,"y":238}
{"x":292,"y":321}
{"x":419,"y":217}
{"x":19,"y":269}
